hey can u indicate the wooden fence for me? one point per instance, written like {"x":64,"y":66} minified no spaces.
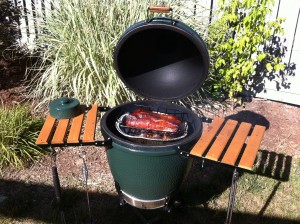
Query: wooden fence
{"x":33,"y":11}
{"x":285,"y":88}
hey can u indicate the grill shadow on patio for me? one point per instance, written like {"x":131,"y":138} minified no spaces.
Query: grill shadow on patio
{"x":35,"y":201}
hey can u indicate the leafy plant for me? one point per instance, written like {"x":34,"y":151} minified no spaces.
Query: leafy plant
{"x":238,"y":41}
{"x":19,"y":130}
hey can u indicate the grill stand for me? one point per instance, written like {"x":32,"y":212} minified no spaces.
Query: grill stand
{"x":232,"y":194}
{"x":176,"y":204}
{"x":235,"y":176}
{"x":85,"y":180}
{"x":56,"y":185}
{"x":143,"y":219}
{"x":54,"y":134}
{"x":167,"y":204}
{"x":57,"y":188}
{"x":237,"y":154}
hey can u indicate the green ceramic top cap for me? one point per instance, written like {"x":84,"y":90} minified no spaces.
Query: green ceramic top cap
{"x":64,"y":108}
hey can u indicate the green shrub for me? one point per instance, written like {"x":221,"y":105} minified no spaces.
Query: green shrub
{"x":18,"y":133}
{"x":238,"y":45}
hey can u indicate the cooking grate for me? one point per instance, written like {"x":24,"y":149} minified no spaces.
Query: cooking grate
{"x":148,"y":134}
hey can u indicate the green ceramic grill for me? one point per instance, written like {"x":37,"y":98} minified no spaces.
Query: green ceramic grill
{"x":164,"y":60}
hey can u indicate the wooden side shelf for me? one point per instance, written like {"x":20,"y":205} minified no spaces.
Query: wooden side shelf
{"x":47,"y":130}
{"x":223,"y":143}
{"x":68,"y":131}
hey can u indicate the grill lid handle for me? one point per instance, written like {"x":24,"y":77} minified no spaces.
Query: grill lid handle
{"x":159,"y":8}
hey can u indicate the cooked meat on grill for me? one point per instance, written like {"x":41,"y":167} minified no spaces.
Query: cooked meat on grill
{"x":146,"y":119}
{"x":152,"y":123}
{"x":144,"y":113}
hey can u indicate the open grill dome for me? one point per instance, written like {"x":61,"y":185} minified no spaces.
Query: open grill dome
{"x":161,"y":59}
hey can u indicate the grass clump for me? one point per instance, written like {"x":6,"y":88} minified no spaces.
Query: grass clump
{"x":77,"y":45}
{"x":19,"y":130}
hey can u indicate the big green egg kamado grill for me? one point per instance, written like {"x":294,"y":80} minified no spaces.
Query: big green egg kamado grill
{"x":162,"y":60}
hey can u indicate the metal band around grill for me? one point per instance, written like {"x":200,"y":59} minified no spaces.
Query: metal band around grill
{"x":144,"y":204}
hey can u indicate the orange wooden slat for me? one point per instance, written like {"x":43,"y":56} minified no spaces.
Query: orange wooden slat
{"x":75,"y":129}
{"x":236,"y":144}
{"x":252,"y":147}
{"x":218,"y":146}
{"x":46,"y":131}
{"x":90,"y":126}
{"x":60,"y":132}
{"x":207,"y":137}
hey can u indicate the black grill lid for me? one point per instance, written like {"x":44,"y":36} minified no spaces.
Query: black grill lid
{"x":161,"y":59}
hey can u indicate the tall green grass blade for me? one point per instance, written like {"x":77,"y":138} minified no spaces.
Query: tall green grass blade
{"x":77,"y":46}
{"x":17,"y":136}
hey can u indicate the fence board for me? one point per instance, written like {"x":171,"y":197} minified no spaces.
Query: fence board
{"x":274,"y":90}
